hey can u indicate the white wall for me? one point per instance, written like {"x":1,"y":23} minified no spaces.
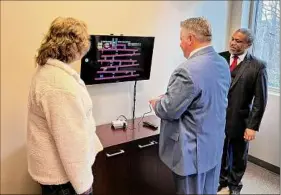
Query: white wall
{"x":167,"y":55}
{"x":266,"y":146}
{"x":23,"y":24}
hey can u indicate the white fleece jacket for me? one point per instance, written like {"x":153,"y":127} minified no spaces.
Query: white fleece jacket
{"x":61,"y":135}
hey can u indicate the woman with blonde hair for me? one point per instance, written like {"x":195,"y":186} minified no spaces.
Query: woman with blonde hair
{"x":61,"y":138}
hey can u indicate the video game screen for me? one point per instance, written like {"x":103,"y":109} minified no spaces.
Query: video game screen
{"x":117,"y":59}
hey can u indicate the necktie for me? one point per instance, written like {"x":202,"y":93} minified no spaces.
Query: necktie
{"x":234,"y":63}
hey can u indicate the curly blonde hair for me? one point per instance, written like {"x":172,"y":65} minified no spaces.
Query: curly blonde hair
{"x":66,"y":40}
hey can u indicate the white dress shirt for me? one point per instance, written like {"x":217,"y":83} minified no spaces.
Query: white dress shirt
{"x":240,"y":58}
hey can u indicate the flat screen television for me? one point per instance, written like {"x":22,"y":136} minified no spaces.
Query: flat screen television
{"x":114,"y":59}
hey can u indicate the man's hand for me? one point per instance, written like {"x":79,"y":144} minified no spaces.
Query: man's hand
{"x":249,"y":134}
{"x":153,"y":103}
{"x":160,"y":96}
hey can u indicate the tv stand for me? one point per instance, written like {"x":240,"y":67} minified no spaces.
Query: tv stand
{"x":129,"y":163}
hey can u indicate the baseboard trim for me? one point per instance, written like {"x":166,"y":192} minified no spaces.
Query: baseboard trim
{"x":264,"y":164}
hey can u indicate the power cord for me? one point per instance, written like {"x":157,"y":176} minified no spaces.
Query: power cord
{"x":122,"y":116}
{"x":150,"y":110}
{"x":126,"y":121}
{"x":144,"y":115}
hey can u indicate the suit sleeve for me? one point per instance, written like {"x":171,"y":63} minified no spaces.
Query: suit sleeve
{"x":67,"y":122}
{"x":260,"y":100}
{"x":178,"y":97}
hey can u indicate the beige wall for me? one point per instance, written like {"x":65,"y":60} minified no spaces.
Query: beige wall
{"x":22,"y":27}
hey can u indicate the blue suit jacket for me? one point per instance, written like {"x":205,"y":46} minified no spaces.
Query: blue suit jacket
{"x":193,"y":114}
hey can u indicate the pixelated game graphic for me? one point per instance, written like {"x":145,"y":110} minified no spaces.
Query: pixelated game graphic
{"x":113,"y":59}
{"x":117,"y":59}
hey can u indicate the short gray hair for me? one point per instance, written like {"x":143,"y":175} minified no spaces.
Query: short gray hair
{"x":200,"y":27}
{"x":248,"y":33}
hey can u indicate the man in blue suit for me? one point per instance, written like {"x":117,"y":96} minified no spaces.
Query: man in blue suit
{"x":193,"y":112}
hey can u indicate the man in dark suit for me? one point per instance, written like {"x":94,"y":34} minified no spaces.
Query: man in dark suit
{"x":247,"y":100}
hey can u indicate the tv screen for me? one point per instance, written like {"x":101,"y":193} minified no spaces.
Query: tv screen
{"x":117,"y":59}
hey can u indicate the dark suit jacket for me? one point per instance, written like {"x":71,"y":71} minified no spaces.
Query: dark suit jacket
{"x":247,"y":96}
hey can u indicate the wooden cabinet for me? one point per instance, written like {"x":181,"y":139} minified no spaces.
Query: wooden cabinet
{"x":129,"y":163}
{"x":144,"y":167}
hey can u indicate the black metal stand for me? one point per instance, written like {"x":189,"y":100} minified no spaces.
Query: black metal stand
{"x":135,"y":93}
{"x":134,"y":102}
